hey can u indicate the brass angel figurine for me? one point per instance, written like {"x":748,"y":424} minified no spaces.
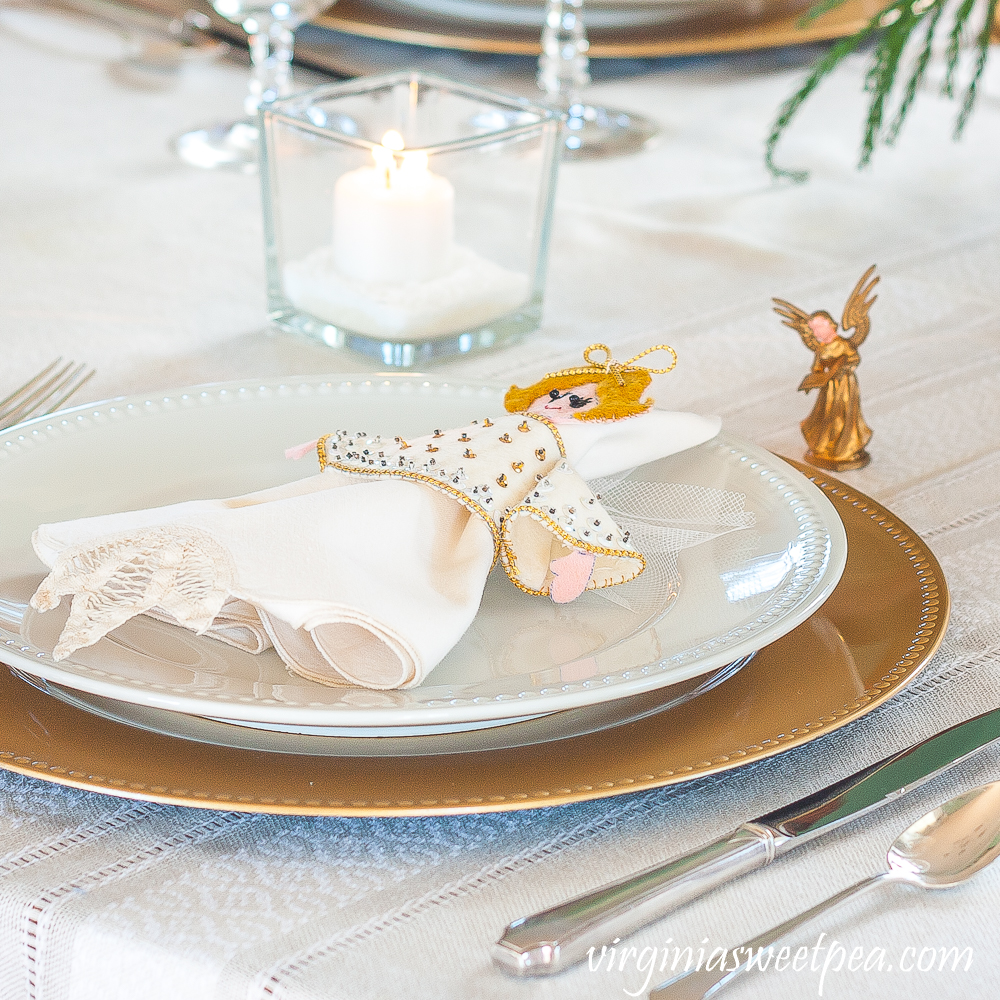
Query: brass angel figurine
{"x":835,"y":430}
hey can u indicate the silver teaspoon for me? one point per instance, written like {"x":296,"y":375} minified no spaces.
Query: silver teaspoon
{"x":942,"y":849}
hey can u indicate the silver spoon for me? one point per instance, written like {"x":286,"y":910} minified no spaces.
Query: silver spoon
{"x":942,"y":849}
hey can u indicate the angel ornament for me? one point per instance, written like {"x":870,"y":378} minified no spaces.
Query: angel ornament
{"x":835,"y":430}
{"x":369,"y":571}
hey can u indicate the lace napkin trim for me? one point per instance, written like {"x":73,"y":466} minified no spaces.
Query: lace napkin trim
{"x":179,"y":570}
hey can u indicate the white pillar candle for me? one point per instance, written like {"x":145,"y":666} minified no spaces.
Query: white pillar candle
{"x":393,"y":222}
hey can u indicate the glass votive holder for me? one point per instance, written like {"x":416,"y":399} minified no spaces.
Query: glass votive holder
{"x":407,"y":216}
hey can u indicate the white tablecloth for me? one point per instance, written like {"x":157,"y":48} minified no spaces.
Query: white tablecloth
{"x":113,"y":252}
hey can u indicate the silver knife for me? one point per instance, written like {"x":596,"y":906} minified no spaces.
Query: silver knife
{"x":557,"y":938}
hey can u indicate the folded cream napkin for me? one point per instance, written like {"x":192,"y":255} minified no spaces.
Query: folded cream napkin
{"x":371,"y":571}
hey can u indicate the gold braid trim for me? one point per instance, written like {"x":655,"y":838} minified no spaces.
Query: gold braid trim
{"x":608,"y":366}
{"x":509,"y":560}
{"x":551,"y":426}
{"x":321,"y":452}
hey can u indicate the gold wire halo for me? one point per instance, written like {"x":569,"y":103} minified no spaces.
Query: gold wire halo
{"x":608,"y":366}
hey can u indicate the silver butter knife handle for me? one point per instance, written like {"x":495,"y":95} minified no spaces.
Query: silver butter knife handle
{"x":553,"y":940}
{"x":699,"y":984}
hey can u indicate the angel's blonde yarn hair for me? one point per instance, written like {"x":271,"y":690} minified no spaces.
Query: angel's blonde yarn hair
{"x":618,"y":387}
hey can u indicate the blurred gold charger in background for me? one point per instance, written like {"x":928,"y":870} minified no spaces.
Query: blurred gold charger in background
{"x":734,"y":29}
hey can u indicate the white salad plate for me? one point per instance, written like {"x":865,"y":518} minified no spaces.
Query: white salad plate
{"x":522,"y":658}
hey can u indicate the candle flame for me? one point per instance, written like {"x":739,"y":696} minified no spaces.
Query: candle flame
{"x":412,"y":165}
{"x":385,"y":155}
{"x":392,"y":162}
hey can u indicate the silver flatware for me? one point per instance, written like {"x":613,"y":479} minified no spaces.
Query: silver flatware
{"x":942,"y":849}
{"x":557,"y":938}
{"x":45,"y":393}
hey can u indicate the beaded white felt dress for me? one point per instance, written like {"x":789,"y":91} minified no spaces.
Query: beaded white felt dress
{"x":513,"y":474}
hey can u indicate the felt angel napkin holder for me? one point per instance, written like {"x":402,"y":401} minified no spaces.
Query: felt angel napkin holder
{"x":371,"y":571}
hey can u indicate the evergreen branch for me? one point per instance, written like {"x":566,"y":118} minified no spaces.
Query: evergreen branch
{"x":789,"y":109}
{"x":820,"y":8}
{"x":983,"y":44}
{"x":882,"y":75}
{"x":919,"y":70}
{"x":955,"y":45}
{"x":892,"y":30}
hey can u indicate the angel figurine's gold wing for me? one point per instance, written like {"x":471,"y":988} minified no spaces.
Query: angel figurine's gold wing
{"x":798,"y":320}
{"x":856,"y":310}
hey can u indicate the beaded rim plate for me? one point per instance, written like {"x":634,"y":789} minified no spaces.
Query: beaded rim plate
{"x":868,"y":641}
{"x":523,"y":655}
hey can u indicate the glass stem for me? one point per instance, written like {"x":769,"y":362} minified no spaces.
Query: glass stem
{"x":563,"y":66}
{"x":271,"y":54}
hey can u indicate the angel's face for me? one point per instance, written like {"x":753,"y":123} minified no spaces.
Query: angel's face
{"x":562,"y":406}
{"x":824,"y":330}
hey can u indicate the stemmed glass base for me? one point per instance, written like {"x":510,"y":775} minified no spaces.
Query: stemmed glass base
{"x":270,"y":25}
{"x":226,"y":146}
{"x":593,"y":132}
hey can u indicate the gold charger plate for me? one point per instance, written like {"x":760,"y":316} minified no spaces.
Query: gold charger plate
{"x":371,"y":19}
{"x":703,"y":36}
{"x":871,"y":638}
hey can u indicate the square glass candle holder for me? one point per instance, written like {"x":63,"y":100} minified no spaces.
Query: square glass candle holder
{"x":407,"y":216}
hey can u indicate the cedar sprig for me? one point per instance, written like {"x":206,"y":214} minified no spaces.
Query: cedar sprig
{"x":890,"y":32}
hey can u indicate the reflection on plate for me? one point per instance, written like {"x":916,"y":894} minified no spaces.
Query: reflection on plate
{"x":871,"y":638}
{"x":522,"y":656}
{"x":321,"y":742}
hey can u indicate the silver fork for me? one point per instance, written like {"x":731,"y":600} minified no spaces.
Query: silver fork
{"x":44,"y":393}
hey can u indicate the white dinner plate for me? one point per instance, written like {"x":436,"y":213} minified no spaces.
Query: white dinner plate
{"x":523,"y":656}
